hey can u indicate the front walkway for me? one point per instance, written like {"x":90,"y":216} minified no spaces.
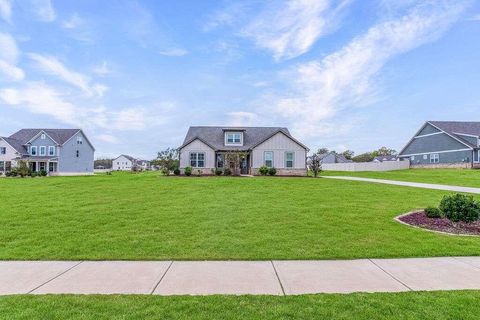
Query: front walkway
{"x":410,"y":184}
{"x":239,"y":277}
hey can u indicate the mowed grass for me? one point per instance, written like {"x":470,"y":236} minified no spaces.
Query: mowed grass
{"x":407,"y":305}
{"x":455,"y":177}
{"x":148,"y":217}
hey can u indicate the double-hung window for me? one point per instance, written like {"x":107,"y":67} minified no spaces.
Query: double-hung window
{"x":51,"y":150}
{"x":289,"y":158}
{"x":268,"y":157}
{"x":2,"y":166}
{"x":33,"y":150}
{"x":3,"y":150}
{"x":197,"y":159}
{"x":43,"y":150}
{"x":434,"y":158}
{"x":79,"y":140}
{"x":233,"y":138}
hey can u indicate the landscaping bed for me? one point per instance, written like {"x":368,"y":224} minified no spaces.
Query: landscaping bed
{"x":420,"y":219}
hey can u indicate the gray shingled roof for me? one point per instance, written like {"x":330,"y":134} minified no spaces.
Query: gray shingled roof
{"x":127,"y":156}
{"x":59,"y":135}
{"x":252,"y":136}
{"x":16,"y":144}
{"x":454,"y":127}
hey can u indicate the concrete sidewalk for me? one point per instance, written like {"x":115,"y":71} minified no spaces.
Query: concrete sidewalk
{"x":238,"y":277}
{"x":410,"y":184}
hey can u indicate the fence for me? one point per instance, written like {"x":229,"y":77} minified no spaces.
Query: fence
{"x":367,"y":166}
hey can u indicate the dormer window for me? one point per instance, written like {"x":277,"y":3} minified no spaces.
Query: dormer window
{"x":233,"y":138}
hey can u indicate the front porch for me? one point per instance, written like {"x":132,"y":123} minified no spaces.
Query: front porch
{"x":49,"y":165}
{"x":237,"y":161}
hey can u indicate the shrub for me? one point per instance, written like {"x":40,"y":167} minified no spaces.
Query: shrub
{"x":33,"y":174}
{"x":8,"y":174}
{"x":188,"y":171}
{"x":459,"y":207}
{"x":43,"y":173}
{"x":199,"y":173}
{"x":272,"y":171}
{"x":176,"y":171}
{"x":13,"y":173}
{"x":218,"y":172}
{"x":433,"y":212}
{"x":227,"y":172}
{"x":165,"y":171}
{"x":263,"y":170}
{"x":1,"y":174}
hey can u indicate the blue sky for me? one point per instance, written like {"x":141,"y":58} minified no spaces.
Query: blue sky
{"x":135,"y":74}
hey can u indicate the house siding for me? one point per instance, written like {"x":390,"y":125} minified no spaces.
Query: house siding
{"x":444,"y":158}
{"x":69,"y":163}
{"x":10,"y":153}
{"x":435,"y":143}
{"x":197,"y":146}
{"x":428,"y":129}
{"x":39,"y":142}
{"x":472,"y":140}
{"x":124,"y":164}
{"x":279,"y":144}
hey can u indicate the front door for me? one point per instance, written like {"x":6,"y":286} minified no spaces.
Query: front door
{"x":244,"y":165}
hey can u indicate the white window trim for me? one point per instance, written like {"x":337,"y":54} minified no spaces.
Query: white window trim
{"x":434,"y":158}
{"x":34,"y":148}
{"x":44,"y":153}
{"x":43,"y":136}
{"x":51,"y":148}
{"x":447,"y":151}
{"x":2,"y":149}
{"x":196,"y":160}
{"x":265,"y":158}
{"x":293,"y":159}
{"x":233,"y":143}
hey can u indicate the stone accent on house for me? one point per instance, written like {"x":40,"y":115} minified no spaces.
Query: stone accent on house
{"x":284,"y":172}
{"x":204,"y":171}
{"x":457,"y":165}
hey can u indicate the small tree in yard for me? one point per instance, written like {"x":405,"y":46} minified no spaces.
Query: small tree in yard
{"x":315,"y":164}
{"x":167,"y":160}
{"x":22,"y":168}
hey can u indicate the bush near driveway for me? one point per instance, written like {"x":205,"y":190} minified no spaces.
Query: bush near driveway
{"x":459,"y":207}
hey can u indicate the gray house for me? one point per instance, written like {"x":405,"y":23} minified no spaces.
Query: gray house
{"x":333,"y":157}
{"x":57,"y":151}
{"x":444,"y":144}
{"x":204,"y":149}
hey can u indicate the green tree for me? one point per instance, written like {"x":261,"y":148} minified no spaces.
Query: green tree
{"x":167,"y":160}
{"x":384,"y":151}
{"x":323,"y":151}
{"x":315,"y":164}
{"x":348,"y":154}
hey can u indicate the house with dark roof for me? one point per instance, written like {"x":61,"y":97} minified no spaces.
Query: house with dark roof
{"x":333,"y":157}
{"x":444,"y":144}
{"x":204,"y":149}
{"x":126,"y":163}
{"x":386,"y":158}
{"x":56,"y":151}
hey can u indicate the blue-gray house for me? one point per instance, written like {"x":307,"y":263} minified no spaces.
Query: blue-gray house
{"x":444,"y":144}
{"x":57,"y":151}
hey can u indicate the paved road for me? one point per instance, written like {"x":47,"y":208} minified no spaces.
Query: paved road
{"x":238,"y":277}
{"x":410,"y":184}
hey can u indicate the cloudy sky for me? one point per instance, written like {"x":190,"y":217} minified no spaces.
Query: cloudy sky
{"x":135,"y":74}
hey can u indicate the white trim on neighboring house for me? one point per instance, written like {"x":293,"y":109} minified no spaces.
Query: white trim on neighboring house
{"x":431,"y":152}
{"x":428,"y":134}
{"x":441,"y":131}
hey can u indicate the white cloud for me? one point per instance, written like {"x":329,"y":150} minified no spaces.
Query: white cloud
{"x":476,"y":17}
{"x":107,"y":138}
{"x":8,"y":59}
{"x":345,"y":78}
{"x":174,"y":52}
{"x":39,"y":98}
{"x":44,"y":10}
{"x":242,"y":118}
{"x":73,"y":22}
{"x":53,"y":66}
{"x":6,"y":10}
{"x":102,"y":70}
{"x":290,"y":29}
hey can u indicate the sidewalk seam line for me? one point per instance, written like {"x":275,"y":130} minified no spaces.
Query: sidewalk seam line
{"x":392,"y":276}
{"x":278,"y":277}
{"x":467,"y":263}
{"x":161,"y":278}
{"x":58,"y":275}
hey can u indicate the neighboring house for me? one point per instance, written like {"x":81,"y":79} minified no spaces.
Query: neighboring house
{"x":444,"y":144}
{"x":333,"y":157}
{"x":57,"y":151}
{"x":126,"y":163}
{"x":204,"y":149}
{"x":385,"y":158}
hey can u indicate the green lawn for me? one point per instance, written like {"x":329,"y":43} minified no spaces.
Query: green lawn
{"x":409,"y":305}
{"x":144,"y":216}
{"x":456,"y":177}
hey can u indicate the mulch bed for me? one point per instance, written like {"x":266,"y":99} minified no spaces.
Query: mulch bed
{"x":419,"y":219}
